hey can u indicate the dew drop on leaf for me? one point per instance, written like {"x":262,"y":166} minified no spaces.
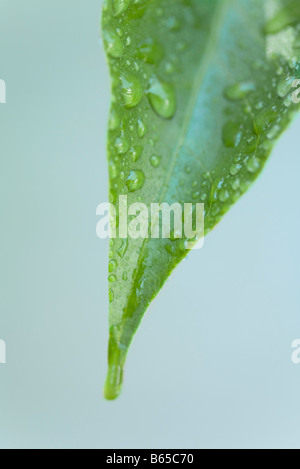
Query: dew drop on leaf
{"x":123,"y":248}
{"x":120,"y":6}
{"x":113,"y":44}
{"x":235,"y":184}
{"x":264,"y":119}
{"x":136,"y":152}
{"x":122,"y":145}
{"x":224,"y":195}
{"x":162,"y":98}
{"x":112,"y":265}
{"x":155,"y":161}
{"x":135,"y":180}
{"x":284,"y":87}
{"x":150,"y":51}
{"x":142,"y":129}
{"x":231,"y":134}
{"x":235,"y":168}
{"x":253,"y":164}
{"x":132,"y":89}
{"x":111,"y":295}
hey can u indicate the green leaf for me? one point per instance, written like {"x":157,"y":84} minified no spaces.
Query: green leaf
{"x":200,"y":92}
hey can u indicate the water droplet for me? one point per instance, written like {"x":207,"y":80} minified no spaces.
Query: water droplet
{"x":273,"y":132}
{"x":135,"y":180}
{"x":284,"y":87}
{"x":132,"y":89}
{"x":235,"y":184}
{"x":196,"y":195}
{"x":124,"y":276}
{"x":173,"y":23}
{"x":239,"y":91}
{"x":122,"y":145}
{"x":123,"y":248}
{"x":288,"y":100}
{"x":155,"y":161}
{"x":232,"y":134}
{"x":252,"y":143}
{"x":203,"y":197}
{"x":112,"y":265}
{"x":264,"y":119}
{"x":113,"y":44}
{"x":112,"y":278}
{"x":111,"y":295}
{"x":169,"y":68}
{"x":136,"y":152}
{"x":162,"y":98}
{"x":142,"y":129}
{"x":215,"y":209}
{"x":120,"y":6}
{"x":235,"y":168}
{"x":128,"y":41}
{"x":150,"y":52}
{"x":244,"y":185}
{"x":253,"y":164}
{"x":224,"y":195}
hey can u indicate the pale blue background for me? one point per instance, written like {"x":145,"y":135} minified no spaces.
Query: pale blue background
{"x":211,"y":365}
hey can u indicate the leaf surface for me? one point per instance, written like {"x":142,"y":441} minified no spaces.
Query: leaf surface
{"x":200,"y":92}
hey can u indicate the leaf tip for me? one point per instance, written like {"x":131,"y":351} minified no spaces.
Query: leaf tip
{"x":113,"y":382}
